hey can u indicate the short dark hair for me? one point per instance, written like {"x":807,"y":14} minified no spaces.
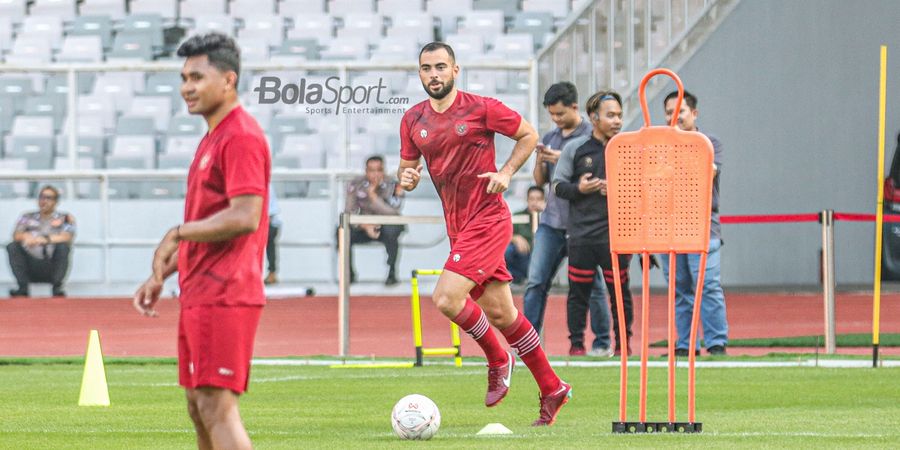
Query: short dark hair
{"x":435,"y":46}
{"x":688,"y":98}
{"x":564,"y":92}
{"x":378,"y":158}
{"x":50,"y":188}
{"x":593,"y":104}
{"x":535,"y":188}
{"x":223,"y":53}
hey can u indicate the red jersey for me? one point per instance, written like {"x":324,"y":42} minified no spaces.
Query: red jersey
{"x":231,"y":161}
{"x":458,"y":145}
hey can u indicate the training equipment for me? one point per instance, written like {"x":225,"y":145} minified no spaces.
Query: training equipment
{"x":94,"y":391}
{"x":494,"y":428}
{"x":415,"y":417}
{"x":421,"y":352}
{"x":660,"y":199}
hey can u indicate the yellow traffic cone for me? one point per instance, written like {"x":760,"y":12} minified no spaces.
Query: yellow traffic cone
{"x":93,"y":384}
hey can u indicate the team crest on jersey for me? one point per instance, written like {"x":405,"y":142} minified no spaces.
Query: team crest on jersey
{"x":456,"y":257}
{"x":461,"y":129}
{"x":424,"y":134}
{"x":204,"y":161}
{"x":588,"y":162}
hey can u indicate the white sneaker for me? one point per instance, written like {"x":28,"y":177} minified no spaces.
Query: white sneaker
{"x":604,"y":352}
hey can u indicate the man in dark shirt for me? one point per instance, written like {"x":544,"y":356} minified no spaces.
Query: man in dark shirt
{"x":518,"y":253}
{"x":372,"y":194}
{"x":41,"y":243}
{"x":581,"y":178}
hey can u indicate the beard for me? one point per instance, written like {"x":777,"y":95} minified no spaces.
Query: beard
{"x":448,"y":86}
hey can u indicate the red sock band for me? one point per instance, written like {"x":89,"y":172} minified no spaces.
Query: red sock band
{"x":522,"y":337}
{"x":473,"y":321}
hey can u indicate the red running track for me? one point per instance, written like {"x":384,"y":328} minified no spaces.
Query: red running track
{"x":381,"y":326}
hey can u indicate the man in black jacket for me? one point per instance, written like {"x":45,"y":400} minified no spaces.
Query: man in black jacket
{"x":580,"y":178}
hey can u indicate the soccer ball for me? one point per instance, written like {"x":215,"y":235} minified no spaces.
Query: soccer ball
{"x":415,"y":417}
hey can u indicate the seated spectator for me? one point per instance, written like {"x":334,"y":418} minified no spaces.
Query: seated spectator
{"x":41,"y":244}
{"x":374,"y":194}
{"x":518,"y":253}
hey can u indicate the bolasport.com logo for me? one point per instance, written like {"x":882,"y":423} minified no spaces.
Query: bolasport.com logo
{"x":331,"y":97}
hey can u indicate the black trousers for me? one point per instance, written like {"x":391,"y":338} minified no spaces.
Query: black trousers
{"x":27,"y":268}
{"x":272,"y":249}
{"x":389,"y":236}
{"x":583,"y":262}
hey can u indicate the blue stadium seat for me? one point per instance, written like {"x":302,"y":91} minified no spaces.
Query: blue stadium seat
{"x":538,"y":24}
{"x":81,"y":49}
{"x":114,"y":8}
{"x":52,"y":106}
{"x":292,"y":8}
{"x":93,"y":26}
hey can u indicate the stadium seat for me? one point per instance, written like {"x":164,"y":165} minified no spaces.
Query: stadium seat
{"x":30,"y":50}
{"x":83,"y":189}
{"x":306,"y":147}
{"x":508,"y":7}
{"x":396,"y":49}
{"x":15,"y":10}
{"x":483,"y":23}
{"x":127,"y":150}
{"x":49,"y":28}
{"x":557,"y":8}
{"x":17,"y":89}
{"x":101,"y":106}
{"x":37,"y":151}
{"x":135,"y":125}
{"x":164,"y":83}
{"x":81,"y":49}
{"x":308,"y":49}
{"x":286,"y":162}
{"x":346,"y":48}
{"x":17,"y":189}
{"x":59,"y":84}
{"x":32,"y":126}
{"x":538,"y":24}
{"x":167,"y":9}
{"x":197,"y":8}
{"x":267,"y":27}
{"x":292,"y":8}
{"x":93,"y":26}
{"x":113,"y":8}
{"x":7,"y":112}
{"x":254,"y":49}
{"x":6,"y":34}
{"x":416,"y":27}
{"x":513,"y":45}
{"x":448,"y":12}
{"x":144,"y":25}
{"x":286,"y":124}
{"x":312,"y":26}
{"x":177,"y":161}
{"x":157,"y":107}
{"x":207,"y":22}
{"x":184,"y":125}
{"x":393,"y":7}
{"x":91,"y":148}
{"x":245,"y":8}
{"x":344,"y":7}
{"x":52,"y":106}
{"x":361,"y":25}
{"x":118,"y":87}
{"x":466,"y":46}
{"x":167,"y":188}
{"x":182,"y":145}
{"x":132,"y":47}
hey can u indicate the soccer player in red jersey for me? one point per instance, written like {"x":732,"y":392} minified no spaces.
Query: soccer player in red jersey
{"x":454,"y":131}
{"x":218,"y":250}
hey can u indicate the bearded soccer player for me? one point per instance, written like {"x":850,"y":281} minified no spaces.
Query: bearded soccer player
{"x":454,"y":131}
{"x":218,"y":250}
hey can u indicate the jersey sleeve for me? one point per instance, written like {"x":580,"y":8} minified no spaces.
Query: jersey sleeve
{"x":499,"y":118}
{"x":408,"y":149}
{"x":245,"y":165}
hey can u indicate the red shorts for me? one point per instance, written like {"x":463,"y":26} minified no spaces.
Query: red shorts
{"x":477,"y":253}
{"x":215,"y":344}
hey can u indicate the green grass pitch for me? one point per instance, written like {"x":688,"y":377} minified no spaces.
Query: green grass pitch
{"x":294,"y":407}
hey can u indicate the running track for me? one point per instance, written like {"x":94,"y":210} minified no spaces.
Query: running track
{"x":380,"y":326}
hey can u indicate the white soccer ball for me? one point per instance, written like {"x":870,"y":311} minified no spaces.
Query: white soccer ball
{"x":415,"y":417}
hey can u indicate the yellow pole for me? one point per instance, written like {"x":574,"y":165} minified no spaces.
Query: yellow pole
{"x":879,"y":224}
{"x":416,"y":317}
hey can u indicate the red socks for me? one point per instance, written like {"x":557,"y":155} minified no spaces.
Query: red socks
{"x":473,"y":321}
{"x":522,"y":337}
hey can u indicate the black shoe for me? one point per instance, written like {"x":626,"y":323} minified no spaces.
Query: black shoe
{"x":717,"y":350}
{"x":683,"y":352}
{"x":18,"y":292}
{"x":391,"y":280}
{"x":59,"y":292}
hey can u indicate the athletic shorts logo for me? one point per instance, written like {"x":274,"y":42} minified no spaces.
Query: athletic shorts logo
{"x":225,"y":372}
{"x":191,"y":367}
{"x":456,"y":257}
{"x":424,"y":134}
{"x":461,"y":129}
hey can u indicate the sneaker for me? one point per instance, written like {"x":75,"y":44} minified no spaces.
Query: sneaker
{"x":498,"y":381}
{"x":18,"y":292}
{"x":552,"y":403}
{"x":682,"y":352}
{"x":59,"y":292}
{"x":271,"y":278}
{"x":716,"y":350}
{"x":391,"y":281}
{"x":603,"y":352}
{"x":577,"y":350}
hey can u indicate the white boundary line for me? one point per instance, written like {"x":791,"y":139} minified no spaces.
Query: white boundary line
{"x":829,"y":363}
